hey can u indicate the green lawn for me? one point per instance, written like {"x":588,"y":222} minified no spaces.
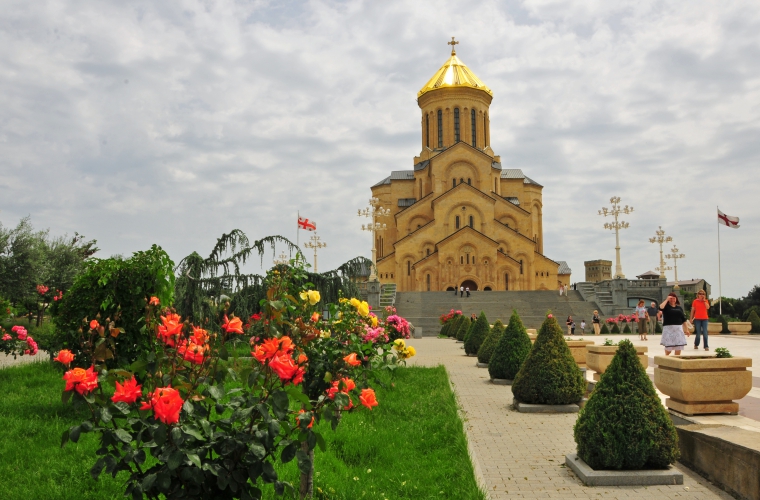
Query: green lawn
{"x":411,"y":446}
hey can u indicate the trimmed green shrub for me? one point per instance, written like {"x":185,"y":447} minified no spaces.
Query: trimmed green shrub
{"x":724,"y":321}
{"x":510,"y":352}
{"x":445,"y":328}
{"x":476,"y":335}
{"x":627,"y":328}
{"x":755,"y":320}
{"x":624,"y":425}
{"x":615,"y":328}
{"x":604,"y":328}
{"x":549,"y":374}
{"x":455,"y":327}
{"x":464,"y":326}
{"x":489,"y":344}
{"x":658,"y":328}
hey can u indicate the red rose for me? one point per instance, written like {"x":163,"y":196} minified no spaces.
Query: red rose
{"x":166,"y":404}
{"x":130,"y":392}
{"x":81,"y":380}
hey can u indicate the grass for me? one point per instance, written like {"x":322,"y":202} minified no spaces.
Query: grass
{"x":411,"y":446}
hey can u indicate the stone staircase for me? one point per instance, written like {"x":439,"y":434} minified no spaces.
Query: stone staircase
{"x":424,"y":308}
{"x":387,"y":294}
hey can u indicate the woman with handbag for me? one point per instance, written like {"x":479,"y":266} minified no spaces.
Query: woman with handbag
{"x":673,"y":320}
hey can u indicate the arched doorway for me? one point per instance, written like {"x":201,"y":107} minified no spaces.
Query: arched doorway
{"x":487,"y":289}
{"x":450,"y":289}
{"x":469,"y":283}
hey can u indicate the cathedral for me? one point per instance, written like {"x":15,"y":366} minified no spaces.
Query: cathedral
{"x":458,"y":218}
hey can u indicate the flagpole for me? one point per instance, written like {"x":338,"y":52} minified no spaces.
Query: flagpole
{"x":720,"y":290}
{"x":298,"y":230}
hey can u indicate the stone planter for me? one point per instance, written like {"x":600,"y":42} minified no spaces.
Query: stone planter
{"x":714,"y":328}
{"x":739,"y":327}
{"x":532,"y":337}
{"x":698,"y":385}
{"x":599,"y":357}
{"x":531,"y":331}
{"x":578,"y":349}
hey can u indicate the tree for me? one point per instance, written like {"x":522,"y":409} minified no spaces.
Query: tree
{"x":511,"y":350}
{"x":755,"y":320}
{"x":476,"y":335}
{"x":489,"y":344}
{"x":624,"y":425}
{"x":22,"y":254}
{"x":549,"y":374}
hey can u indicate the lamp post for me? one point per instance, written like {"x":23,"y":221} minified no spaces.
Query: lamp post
{"x":660,"y":238}
{"x":615,"y":211}
{"x":675,"y":256}
{"x":374,"y":210}
{"x":316,"y":245}
{"x":281,"y":259}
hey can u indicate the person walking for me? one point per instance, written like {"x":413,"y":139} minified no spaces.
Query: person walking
{"x":467,"y":290}
{"x":583,"y":327}
{"x":673,"y":319}
{"x":596,"y":322}
{"x":455,"y":292}
{"x":569,"y":323}
{"x":572,"y":328}
{"x":642,"y":317}
{"x":699,"y":318}
{"x":461,"y":291}
{"x":652,"y":313}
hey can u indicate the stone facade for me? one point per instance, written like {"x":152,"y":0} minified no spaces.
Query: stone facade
{"x":598,"y":270}
{"x":458,"y":218}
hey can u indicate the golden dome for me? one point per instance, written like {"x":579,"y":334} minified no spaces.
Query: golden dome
{"x":454,"y":74}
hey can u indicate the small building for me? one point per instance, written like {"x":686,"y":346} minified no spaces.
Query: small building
{"x":649,"y":275}
{"x":692,"y":286}
{"x":598,"y":270}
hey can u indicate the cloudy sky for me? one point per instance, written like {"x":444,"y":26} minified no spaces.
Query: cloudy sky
{"x":172,"y":122}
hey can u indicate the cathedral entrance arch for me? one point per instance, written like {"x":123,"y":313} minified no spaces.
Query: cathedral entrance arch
{"x":469,"y":283}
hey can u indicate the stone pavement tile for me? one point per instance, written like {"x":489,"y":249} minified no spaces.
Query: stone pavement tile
{"x":518,"y":455}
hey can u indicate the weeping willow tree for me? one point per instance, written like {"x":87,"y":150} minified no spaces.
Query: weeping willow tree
{"x":203,"y":284}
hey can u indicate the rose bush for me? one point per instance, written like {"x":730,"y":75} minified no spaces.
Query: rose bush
{"x":214,"y":424}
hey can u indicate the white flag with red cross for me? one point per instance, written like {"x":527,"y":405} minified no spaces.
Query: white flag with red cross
{"x":727,"y":220}
{"x":307,"y":224}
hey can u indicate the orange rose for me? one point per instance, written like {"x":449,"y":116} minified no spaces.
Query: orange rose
{"x":81,"y":380}
{"x":267,"y":350}
{"x":64,"y":357}
{"x":170,"y":328}
{"x":367,"y":398}
{"x":154,"y":301}
{"x":200,"y":336}
{"x":348,"y":384}
{"x":128,"y":393}
{"x":234,"y":325}
{"x":315,"y":317}
{"x":351,"y":359}
{"x":284,"y":367}
{"x":286,"y":345}
{"x":166,"y":404}
{"x":94,"y":324}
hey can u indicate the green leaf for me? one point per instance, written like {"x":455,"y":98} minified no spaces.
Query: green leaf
{"x":268,"y":473}
{"x":177,"y":436}
{"x":147,"y":482}
{"x":274,"y":429}
{"x":188,"y":407}
{"x":159,"y":434}
{"x":280,"y":400}
{"x":304,"y":462}
{"x":289,"y":452}
{"x":138,"y":365}
{"x":194,"y":459}
{"x":216,"y":392}
{"x":276,"y":304}
{"x":66,"y":395}
{"x":175,"y":459}
{"x":321,"y":442}
{"x":223,"y":354}
{"x":64,"y":438}
{"x":123,"y":436}
{"x":97,"y":469}
{"x":164,"y":481}
{"x":74,"y":433}
{"x":195,"y":432}
{"x":258,"y":450}
{"x":105,"y":415}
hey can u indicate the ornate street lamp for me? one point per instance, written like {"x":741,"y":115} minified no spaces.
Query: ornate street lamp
{"x":281,"y":259}
{"x":675,"y":256}
{"x":316,"y":245}
{"x":615,"y":211}
{"x":660,"y":238}
{"x":374,"y":210}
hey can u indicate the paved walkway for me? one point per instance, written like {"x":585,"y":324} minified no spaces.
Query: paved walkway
{"x":518,"y":455}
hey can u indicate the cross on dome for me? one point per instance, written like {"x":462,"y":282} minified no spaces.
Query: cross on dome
{"x":453,"y":48}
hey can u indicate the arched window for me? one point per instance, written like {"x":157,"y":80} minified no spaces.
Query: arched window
{"x":485,"y":128}
{"x":469,"y":181}
{"x":427,"y":130}
{"x":461,"y":259}
{"x":521,"y":266}
{"x":506,"y":282}
{"x":428,"y":251}
{"x":461,"y":180}
{"x":440,"y":128}
{"x":456,"y":221}
{"x":472,"y":221}
{"x":409,"y":267}
{"x":474,"y":129}
{"x":456,"y":124}
{"x":453,"y":183}
{"x":427,"y":278}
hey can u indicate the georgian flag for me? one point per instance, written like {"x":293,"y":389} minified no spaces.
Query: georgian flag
{"x":307,"y":224}
{"x":727,"y":220}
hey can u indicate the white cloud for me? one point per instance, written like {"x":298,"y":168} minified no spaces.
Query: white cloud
{"x":171,"y":123}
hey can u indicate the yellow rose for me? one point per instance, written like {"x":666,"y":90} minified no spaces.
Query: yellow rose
{"x":313,"y":296}
{"x":325,"y":334}
{"x":409,"y":352}
{"x":399,"y":344}
{"x":304,"y":296}
{"x":343,"y":300}
{"x":355,"y":302}
{"x":363,"y":309}
{"x":373,"y":319}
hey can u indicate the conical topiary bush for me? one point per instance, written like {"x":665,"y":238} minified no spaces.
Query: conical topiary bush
{"x":476,"y":335}
{"x":615,"y":328}
{"x":755,"y":320}
{"x":549,"y":374}
{"x":604,"y":329}
{"x":626,"y":328}
{"x":489,"y":344}
{"x":455,"y":326}
{"x":510,"y":352}
{"x":464,"y":326}
{"x":446,"y":327}
{"x":624,"y":425}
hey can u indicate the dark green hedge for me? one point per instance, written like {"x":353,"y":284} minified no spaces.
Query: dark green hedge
{"x":464,"y":326}
{"x":615,"y":328}
{"x":445,"y":328}
{"x":604,"y":328}
{"x":511,"y":350}
{"x":477,"y":335}
{"x":549,"y":374}
{"x":624,"y":425}
{"x":489,"y":344}
{"x":755,"y":320}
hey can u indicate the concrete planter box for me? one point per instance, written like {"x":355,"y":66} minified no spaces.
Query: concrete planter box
{"x":739,"y":328}
{"x":578,"y":350}
{"x":591,"y":477}
{"x":531,"y":331}
{"x":698,"y":385}
{"x":534,"y":408}
{"x":714,"y":328}
{"x":532,"y":337}
{"x":599,"y":357}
